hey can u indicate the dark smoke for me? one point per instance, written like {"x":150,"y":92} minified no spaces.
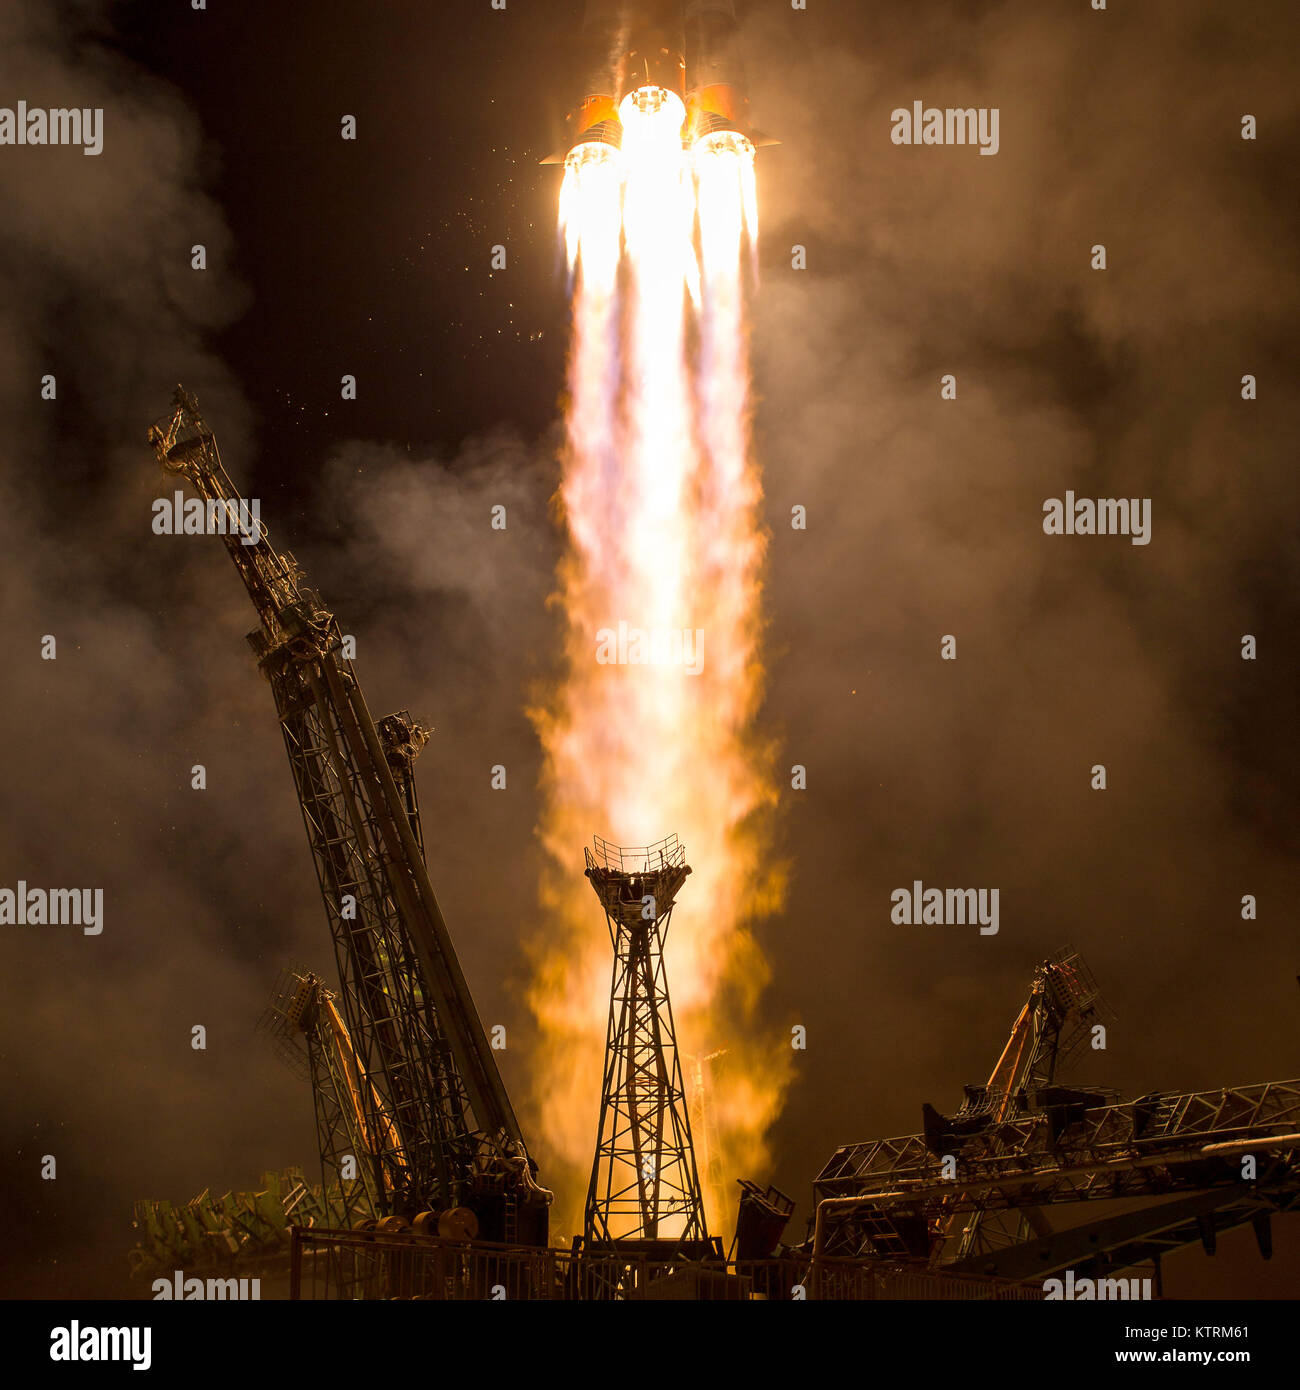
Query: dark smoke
{"x":924,"y":519}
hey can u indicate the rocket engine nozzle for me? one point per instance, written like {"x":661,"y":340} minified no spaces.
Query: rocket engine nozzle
{"x":594,"y":121}
{"x":712,"y":109}
{"x":655,"y":52}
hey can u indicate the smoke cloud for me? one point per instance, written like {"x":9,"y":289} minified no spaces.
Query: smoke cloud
{"x":1119,"y":128}
{"x":924,"y":520}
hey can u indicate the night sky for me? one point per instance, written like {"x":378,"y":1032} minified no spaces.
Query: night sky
{"x":372,"y":258}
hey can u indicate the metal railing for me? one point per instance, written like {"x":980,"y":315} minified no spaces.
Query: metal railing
{"x":667,"y":853}
{"x":351,"y":1265}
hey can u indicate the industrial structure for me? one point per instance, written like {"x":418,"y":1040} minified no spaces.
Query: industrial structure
{"x":428,"y":1190}
{"x":438,"y":1133}
{"x":972,"y":1192}
{"x":704,"y":1127}
{"x":245,"y":1230}
{"x":645,"y":1190}
{"x":304,"y":1019}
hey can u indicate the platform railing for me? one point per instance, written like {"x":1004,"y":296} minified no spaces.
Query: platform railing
{"x":351,"y":1265}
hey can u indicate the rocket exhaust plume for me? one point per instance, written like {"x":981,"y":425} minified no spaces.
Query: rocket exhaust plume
{"x":650,"y":728}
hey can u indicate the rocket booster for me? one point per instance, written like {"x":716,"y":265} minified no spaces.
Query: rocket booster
{"x":657,"y":50}
{"x":594,"y":121}
{"x":716,"y":96}
{"x":654,"y":52}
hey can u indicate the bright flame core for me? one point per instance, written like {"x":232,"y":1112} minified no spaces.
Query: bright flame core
{"x":660,"y":499}
{"x":653,"y":104}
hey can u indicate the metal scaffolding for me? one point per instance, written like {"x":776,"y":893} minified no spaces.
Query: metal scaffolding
{"x":439,"y":1130}
{"x":973,"y":1190}
{"x":644,"y":1184}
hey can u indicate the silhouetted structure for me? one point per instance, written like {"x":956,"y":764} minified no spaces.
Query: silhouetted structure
{"x":645,"y":1190}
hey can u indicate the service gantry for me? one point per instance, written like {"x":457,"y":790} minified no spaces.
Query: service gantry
{"x":440,"y":1132}
{"x":973,"y":1191}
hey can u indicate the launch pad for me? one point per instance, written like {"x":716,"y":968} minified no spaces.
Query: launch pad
{"x":421,"y":1153}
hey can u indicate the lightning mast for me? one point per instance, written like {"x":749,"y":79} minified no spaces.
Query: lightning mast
{"x":645,"y":1190}
{"x":442,"y":1132}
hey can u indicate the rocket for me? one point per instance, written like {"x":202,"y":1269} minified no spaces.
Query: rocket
{"x":594,"y":121}
{"x":659,"y":51}
{"x":716,"y":95}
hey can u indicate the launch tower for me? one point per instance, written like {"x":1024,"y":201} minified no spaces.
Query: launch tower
{"x":645,"y":1189}
{"x":432,"y":1123}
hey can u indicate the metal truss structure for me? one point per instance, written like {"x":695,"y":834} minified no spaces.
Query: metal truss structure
{"x":645,"y":1189}
{"x":304,"y":1019}
{"x":406,"y":1085}
{"x":441,"y":1132}
{"x":379,"y":1266}
{"x":230,"y":1231}
{"x":1189,"y":1165}
{"x":1063,"y":1007}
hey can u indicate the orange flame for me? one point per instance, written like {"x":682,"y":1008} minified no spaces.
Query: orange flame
{"x":660,"y":499}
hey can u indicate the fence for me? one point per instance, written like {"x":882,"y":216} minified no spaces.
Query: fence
{"x":351,"y":1265}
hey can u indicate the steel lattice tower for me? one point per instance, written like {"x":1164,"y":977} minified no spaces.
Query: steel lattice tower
{"x":1064,"y":1003}
{"x":311,"y":1036}
{"x":437,"y":1127}
{"x":644,"y":1183}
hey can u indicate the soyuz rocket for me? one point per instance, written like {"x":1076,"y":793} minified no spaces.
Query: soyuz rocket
{"x":657,"y":52}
